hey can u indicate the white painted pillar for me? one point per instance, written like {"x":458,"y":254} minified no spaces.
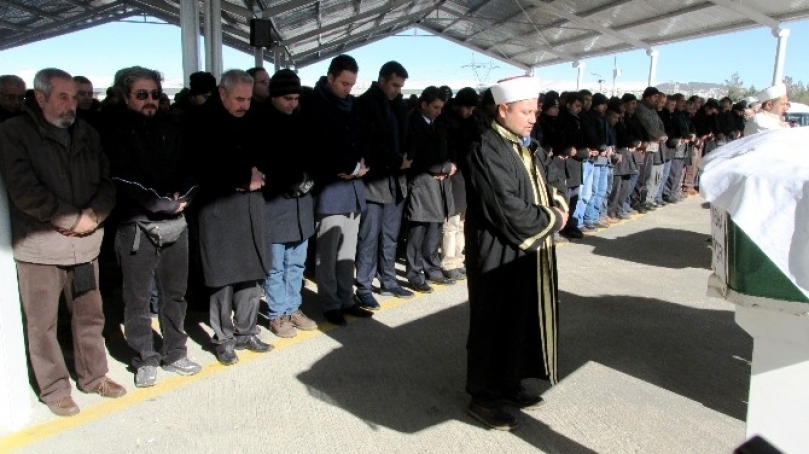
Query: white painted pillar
{"x":653,"y":54}
{"x":276,"y":58}
{"x":213,"y":37}
{"x":780,"y":54}
{"x":779,"y":397}
{"x":189,"y":32}
{"x":579,"y":65}
{"x":15,"y":403}
{"x":258,"y":53}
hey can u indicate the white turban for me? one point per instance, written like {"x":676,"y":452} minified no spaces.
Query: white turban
{"x":515,"y":89}
{"x":774,"y":92}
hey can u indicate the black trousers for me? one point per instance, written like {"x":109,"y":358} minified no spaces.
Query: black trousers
{"x":423,"y":260}
{"x":167,"y":268}
{"x":234,"y":309}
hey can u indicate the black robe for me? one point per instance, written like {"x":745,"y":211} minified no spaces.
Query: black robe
{"x":511,"y":266}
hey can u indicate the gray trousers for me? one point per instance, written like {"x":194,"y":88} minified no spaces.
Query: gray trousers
{"x":334,"y":259}
{"x":654,"y":182}
{"x":674,"y":182}
{"x":40,"y":289}
{"x":234,"y":309}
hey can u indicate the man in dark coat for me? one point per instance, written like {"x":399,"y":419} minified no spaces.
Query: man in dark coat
{"x":290,"y":208}
{"x":60,"y":194}
{"x":463,"y":129}
{"x":569,"y":143}
{"x":430,"y":202}
{"x":339,"y":158}
{"x":511,"y":261}
{"x":154,"y":187}
{"x":232,"y":218}
{"x":384,"y":128}
{"x":12,"y":96}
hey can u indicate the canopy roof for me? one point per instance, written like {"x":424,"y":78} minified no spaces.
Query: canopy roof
{"x":524,"y":33}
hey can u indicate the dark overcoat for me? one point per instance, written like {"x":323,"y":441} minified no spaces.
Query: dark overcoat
{"x":430,"y":199}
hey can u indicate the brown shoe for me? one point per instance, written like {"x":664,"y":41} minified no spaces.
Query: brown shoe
{"x":302,"y":322}
{"x":108,"y":388}
{"x":282,"y":327}
{"x":608,"y":220}
{"x":63,"y":407}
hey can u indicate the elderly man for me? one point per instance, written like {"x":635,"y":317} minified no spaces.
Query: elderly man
{"x":773,"y":105}
{"x":60,"y":191}
{"x":234,"y":245}
{"x":154,"y":187}
{"x":511,"y":260}
{"x":12,"y":95}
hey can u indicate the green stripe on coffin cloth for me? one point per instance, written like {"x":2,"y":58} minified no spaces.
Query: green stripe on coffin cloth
{"x":751,"y":272}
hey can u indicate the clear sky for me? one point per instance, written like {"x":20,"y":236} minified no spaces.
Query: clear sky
{"x":98,"y":52}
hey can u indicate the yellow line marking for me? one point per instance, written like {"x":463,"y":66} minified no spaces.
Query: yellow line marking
{"x":40,"y":432}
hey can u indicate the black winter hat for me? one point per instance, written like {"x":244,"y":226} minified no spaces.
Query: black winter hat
{"x":202,"y":82}
{"x":284,"y":82}
{"x":628,"y":97}
{"x":466,"y":97}
{"x":650,"y":91}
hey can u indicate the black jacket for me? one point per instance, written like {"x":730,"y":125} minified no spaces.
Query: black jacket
{"x":430,"y":200}
{"x":571,"y":136}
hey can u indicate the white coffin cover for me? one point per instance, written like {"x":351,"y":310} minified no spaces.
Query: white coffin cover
{"x":762,"y":181}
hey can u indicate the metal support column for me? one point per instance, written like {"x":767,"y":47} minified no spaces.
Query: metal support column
{"x":579,"y":65}
{"x":276,"y":58}
{"x":189,"y":31}
{"x":258,"y":53}
{"x":653,"y":54}
{"x":780,"y":54}
{"x":213,"y":37}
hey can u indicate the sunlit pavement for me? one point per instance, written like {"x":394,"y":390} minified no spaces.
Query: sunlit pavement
{"x":649,"y":364}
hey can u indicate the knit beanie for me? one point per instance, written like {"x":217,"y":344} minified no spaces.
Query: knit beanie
{"x":285,"y":82}
{"x":202,"y":82}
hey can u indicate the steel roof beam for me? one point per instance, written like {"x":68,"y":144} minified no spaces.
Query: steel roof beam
{"x":590,"y":24}
{"x":287,"y":7}
{"x":351,"y":20}
{"x":502,"y":58}
{"x":10,"y":25}
{"x":37,"y":12}
{"x":469,"y":13}
{"x":748,"y":12}
{"x":393,"y":24}
{"x":31,"y":35}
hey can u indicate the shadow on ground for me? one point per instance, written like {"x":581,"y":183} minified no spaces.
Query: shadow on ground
{"x":661,"y":247}
{"x":411,"y":377}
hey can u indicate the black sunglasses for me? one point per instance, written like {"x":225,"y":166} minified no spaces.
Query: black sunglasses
{"x":141,"y":95}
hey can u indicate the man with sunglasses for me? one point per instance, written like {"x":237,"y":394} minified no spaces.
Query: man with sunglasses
{"x":12,"y":96}
{"x":154,"y":188}
{"x":60,"y":194}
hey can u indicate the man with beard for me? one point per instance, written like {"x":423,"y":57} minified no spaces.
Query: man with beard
{"x":773,"y":105}
{"x":261,"y":89}
{"x":58,"y":184}
{"x":511,"y":261}
{"x":233,"y":239}
{"x":154,"y":187}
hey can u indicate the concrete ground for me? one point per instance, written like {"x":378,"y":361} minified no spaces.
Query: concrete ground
{"x":649,"y":364}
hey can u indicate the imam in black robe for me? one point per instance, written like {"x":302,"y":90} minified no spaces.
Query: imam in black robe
{"x":511,"y":266}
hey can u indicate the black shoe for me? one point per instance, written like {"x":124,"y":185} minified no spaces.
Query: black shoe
{"x":524,"y":400}
{"x":454,"y":274}
{"x":398,"y":292}
{"x":254,"y":344}
{"x":462,"y":270}
{"x":440,"y":280}
{"x":367,"y":301}
{"x":421,"y":287}
{"x":573,"y":233}
{"x":494,"y":417}
{"x":357,"y":311}
{"x":335,"y":317}
{"x":227,"y":356}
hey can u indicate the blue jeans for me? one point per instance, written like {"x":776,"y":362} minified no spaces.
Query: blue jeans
{"x":283,"y":284}
{"x":376,"y":245}
{"x":593,"y":211}
{"x":663,"y":179}
{"x":585,"y":192}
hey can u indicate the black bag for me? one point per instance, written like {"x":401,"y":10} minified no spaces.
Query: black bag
{"x":161,"y":233}
{"x":302,"y":187}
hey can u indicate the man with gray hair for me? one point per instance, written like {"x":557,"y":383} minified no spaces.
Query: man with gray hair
{"x":151,"y":173}
{"x":12,"y":95}
{"x":233,"y":233}
{"x":60,"y":191}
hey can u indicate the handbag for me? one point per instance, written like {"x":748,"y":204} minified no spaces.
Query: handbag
{"x":161,"y":233}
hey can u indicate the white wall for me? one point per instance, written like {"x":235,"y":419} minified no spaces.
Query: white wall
{"x":15,"y":405}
